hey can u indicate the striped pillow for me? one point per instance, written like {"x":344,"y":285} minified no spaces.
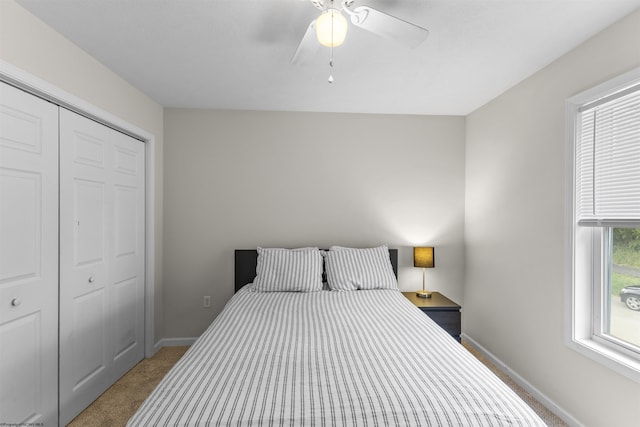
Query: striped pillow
{"x":288,"y":270}
{"x":350,"y":269}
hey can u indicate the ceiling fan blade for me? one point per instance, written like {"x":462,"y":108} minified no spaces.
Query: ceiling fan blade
{"x":388,"y":26}
{"x":308,"y":46}
{"x":318,"y":4}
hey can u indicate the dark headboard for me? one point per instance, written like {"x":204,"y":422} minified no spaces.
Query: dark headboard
{"x":246,"y":260}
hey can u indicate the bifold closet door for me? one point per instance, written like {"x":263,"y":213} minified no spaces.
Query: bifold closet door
{"x":28,"y":259}
{"x":101,"y":259}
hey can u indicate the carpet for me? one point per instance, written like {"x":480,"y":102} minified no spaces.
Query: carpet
{"x":116,"y":405}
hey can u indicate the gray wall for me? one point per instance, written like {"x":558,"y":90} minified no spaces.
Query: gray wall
{"x":247,"y":179}
{"x":515,"y":230}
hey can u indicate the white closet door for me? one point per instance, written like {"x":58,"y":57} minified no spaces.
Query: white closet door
{"x":101,"y":259}
{"x":127,"y":255}
{"x":28,"y":259}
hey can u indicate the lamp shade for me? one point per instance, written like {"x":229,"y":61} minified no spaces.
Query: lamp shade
{"x":423,"y":257}
{"x":331,"y":28}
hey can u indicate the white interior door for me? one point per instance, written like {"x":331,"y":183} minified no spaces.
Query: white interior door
{"x":28,"y":259}
{"x":127,"y":254}
{"x":101,"y":259}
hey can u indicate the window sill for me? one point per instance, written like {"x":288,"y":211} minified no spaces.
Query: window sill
{"x":625,"y":365}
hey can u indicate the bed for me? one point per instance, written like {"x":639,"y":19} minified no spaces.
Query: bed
{"x":327,"y":357}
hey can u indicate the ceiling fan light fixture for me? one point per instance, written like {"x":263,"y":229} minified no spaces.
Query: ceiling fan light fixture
{"x":331,"y":28}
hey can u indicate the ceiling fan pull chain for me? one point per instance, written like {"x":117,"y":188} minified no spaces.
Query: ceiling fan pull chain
{"x":330,"y":80}
{"x":330,"y":65}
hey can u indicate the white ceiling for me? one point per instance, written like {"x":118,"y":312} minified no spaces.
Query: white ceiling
{"x":235,"y":54}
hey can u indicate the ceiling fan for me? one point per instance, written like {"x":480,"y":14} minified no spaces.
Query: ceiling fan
{"x":330,"y":28}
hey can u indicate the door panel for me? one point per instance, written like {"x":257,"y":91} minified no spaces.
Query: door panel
{"x":89,"y":149}
{"x":126,"y":309}
{"x":20,"y":246}
{"x":21,"y":127}
{"x":88,"y":342}
{"x":28,"y":258}
{"x":89,"y":228}
{"x":128,"y":260}
{"x":125,"y":208}
{"x":101,"y":259}
{"x":84,"y":269}
{"x":23,"y":372}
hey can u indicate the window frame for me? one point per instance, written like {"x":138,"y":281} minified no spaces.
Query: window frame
{"x":584,"y":248}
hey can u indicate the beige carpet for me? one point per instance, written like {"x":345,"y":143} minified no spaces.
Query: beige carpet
{"x":116,"y":405}
{"x":120,"y":402}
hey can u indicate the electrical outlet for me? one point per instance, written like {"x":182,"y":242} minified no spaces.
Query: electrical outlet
{"x":206,"y":301}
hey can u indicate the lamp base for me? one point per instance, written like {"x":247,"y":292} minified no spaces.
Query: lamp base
{"x":423,"y":294}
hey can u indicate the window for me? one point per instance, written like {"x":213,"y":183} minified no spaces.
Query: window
{"x":603,"y":301}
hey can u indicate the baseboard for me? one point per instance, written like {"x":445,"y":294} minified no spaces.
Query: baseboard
{"x":541,"y":397}
{"x":173,"y":342}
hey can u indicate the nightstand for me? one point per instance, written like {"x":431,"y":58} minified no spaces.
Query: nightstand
{"x":440,"y":309}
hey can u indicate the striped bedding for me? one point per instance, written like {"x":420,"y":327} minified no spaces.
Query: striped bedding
{"x":360,"y":358}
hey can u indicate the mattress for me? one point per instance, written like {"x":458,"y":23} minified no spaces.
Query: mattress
{"x":329,"y":359}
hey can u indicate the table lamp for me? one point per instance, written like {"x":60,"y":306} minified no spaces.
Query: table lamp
{"x":423,"y":257}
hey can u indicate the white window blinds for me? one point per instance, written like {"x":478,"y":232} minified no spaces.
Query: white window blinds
{"x":608,"y":161}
